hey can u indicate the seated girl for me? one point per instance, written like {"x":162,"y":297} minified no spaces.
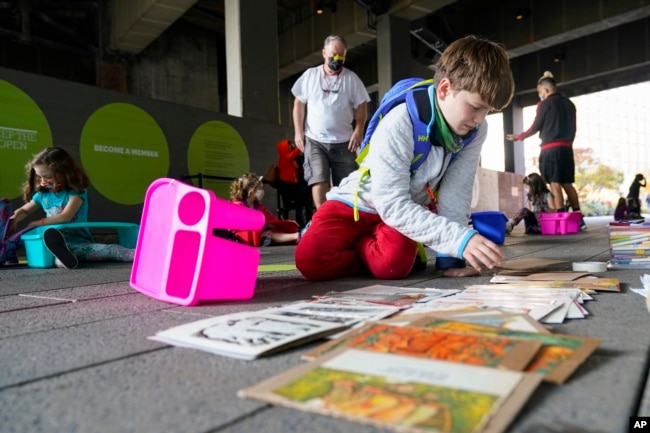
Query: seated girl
{"x":540,"y":200}
{"x":248,"y":191}
{"x":621,"y":211}
{"x":58,"y":186}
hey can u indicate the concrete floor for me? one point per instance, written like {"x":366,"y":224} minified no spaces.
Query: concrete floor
{"x":74,"y":353}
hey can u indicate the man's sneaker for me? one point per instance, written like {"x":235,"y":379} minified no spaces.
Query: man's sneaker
{"x":266,"y":241}
{"x":55,"y":243}
{"x":583,"y":225}
{"x":509,"y":226}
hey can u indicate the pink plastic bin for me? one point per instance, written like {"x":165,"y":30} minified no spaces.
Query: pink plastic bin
{"x":177,"y":258}
{"x":559,"y":223}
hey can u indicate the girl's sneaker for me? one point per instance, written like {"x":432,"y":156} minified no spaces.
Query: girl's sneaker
{"x":509,"y":226}
{"x":55,"y":243}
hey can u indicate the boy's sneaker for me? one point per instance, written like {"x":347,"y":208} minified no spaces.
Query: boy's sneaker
{"x":583,"y":225}
{"x":55,"y":243}
{"x":509,"y":226}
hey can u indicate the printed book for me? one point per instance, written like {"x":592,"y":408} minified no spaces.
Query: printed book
{"x":403,"y":393}
{"x":248,"y":335}
{"x":498,"y":319}
{"x":485,"y":350}
{"x":486,"y":316}
{"x":559,"y":357}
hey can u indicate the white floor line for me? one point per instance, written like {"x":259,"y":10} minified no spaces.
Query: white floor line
{"x":47,"y":297}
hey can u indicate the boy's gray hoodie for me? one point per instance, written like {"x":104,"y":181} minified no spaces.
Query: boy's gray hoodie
{"x":399,"y":197}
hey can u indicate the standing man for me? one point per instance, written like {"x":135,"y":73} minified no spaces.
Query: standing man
{"x":329,"y":98}
{"x":556,"y":123}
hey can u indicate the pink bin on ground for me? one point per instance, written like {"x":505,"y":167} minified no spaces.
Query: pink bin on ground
{"x":179,"y":260}
{"x":559,"y":223}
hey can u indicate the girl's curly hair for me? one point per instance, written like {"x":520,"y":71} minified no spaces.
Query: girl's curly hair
{"x":242,"y":187}
{"x":65,"y":169}
{"x":537,"y":187}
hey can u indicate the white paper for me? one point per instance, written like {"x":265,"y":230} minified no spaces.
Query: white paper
{"x":245,"y":335}
{"x":645,"y":280}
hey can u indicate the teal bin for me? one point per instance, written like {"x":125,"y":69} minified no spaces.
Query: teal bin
{"x":38,"y":256}
{"x":491,"y":224}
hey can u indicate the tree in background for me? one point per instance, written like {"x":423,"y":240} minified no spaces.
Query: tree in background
{"x":598,"y":185}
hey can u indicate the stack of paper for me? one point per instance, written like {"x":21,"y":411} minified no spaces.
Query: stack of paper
{"x":414,"y":360}
{"x":249,"y":335}
{"x":389,"y":295}
{"x":548,"y":305}
{"x":252,"y":334}
{"x":630,"y":246}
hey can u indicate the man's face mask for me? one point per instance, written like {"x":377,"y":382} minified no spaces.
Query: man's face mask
{"x":335,"y":62}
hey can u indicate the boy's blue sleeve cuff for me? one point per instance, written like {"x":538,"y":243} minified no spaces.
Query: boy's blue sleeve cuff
{"x":463,"y":244}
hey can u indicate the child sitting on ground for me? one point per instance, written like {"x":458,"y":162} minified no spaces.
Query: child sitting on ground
{"x":58,"y":185}
{"x":621,"y":211}
{"x":248,"y":191}
{"x":540,"y":200}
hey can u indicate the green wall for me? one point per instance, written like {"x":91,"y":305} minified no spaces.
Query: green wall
{"x":124,"y":142}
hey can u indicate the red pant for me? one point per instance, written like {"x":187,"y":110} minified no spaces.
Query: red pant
{"x":337,"y":246}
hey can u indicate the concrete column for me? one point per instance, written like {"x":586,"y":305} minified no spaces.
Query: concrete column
{"x":393,"y":51}
{"x":513,"y":121}
{"x":252,"y":59}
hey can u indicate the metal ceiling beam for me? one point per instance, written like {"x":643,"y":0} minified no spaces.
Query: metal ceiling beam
{"x":580,"y":31}
{"x":136,"y":24}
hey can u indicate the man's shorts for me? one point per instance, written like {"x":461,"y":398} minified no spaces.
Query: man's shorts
{"x":556,"y":165}
{"x":325,"y":161}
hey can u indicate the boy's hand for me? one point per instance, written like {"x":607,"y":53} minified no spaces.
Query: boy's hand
{"x":481,"y":251}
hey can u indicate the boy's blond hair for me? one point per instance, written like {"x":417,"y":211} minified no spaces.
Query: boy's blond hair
{"x":478,"y":65}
